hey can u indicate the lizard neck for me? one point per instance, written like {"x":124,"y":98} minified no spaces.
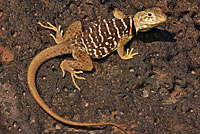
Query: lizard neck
{"x":137,"y":24}
{"x":133,"y":27}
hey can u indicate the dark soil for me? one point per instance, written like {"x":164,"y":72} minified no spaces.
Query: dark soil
{"x":156,"y":92}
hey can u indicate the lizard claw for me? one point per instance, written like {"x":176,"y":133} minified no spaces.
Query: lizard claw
{"x":129,"y":55}
{"x":73,"y":74}
{"x":78,"y":72}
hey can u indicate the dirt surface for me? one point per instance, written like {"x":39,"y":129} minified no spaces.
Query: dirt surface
{"x":156,"y":92}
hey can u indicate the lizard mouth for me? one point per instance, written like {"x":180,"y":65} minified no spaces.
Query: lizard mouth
{"x":164,"y":18}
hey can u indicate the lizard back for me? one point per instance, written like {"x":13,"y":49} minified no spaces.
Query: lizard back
{"x":103,"y":36}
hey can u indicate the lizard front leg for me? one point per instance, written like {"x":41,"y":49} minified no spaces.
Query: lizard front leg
{"x":120,"y":48}
{"x":118,"y":14}
{"x":125,"y":39}
{"x":82,"y":62}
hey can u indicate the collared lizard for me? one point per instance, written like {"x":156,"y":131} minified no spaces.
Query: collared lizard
{"x":102,"y":38}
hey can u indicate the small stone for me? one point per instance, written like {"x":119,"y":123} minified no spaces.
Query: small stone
{"x":145,"y":93}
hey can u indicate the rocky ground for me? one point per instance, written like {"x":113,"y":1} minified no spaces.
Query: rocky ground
{"x":156,"y":92}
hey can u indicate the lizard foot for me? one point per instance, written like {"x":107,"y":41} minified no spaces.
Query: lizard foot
{"x":59,"y":33}
{"x":78,"y":72}
{"x":73,"y":74}
{"x":129,"y":55}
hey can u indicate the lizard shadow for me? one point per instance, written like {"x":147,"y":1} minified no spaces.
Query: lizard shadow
{"x":155,"y":35}
{"x":147,"y":37}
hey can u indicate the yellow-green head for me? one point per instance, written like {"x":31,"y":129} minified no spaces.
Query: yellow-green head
{"x":148,"y":19}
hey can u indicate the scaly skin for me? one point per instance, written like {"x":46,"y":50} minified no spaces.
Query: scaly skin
{"x":144,"y":21}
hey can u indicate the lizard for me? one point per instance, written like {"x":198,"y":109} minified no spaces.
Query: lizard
{"x":101,"y":39}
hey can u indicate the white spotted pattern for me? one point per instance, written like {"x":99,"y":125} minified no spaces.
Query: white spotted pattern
{"x":115,"y":43}
{"x":92,"y":41}
{"x":107,"y":27}
{"x":95,"y":52}
{"x":115,"y":26}
{"x":100,"y":53}
{"x":110,"y":37}
{"x":105,"y":49}
{"x":99,"y":30}
{"x":122,"y":20}
{"x":84,"y":44}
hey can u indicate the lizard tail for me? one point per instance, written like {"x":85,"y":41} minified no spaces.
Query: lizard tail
{"x":37,"y":61}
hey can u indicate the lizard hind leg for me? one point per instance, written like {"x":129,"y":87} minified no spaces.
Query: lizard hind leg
{"x":72,"y":31}
{"x":59,"y":33}
{"x":82,"y":63}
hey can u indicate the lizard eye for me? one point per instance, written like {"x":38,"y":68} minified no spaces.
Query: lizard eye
{"x":149,"y":14}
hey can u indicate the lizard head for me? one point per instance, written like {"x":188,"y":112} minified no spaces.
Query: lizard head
{"x":148,"y":19}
